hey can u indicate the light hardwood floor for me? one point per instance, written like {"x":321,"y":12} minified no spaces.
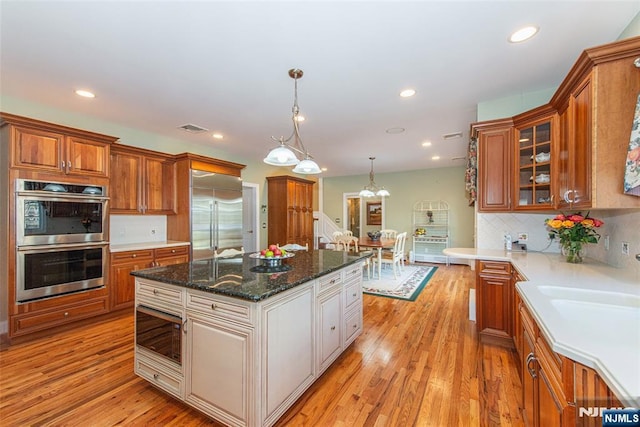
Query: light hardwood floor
{"x":416,"y":364}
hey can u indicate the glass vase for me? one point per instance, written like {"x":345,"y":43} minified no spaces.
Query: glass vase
{"x":574,"y":252}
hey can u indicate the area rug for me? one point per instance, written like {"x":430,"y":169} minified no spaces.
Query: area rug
{"x":407,"y":286}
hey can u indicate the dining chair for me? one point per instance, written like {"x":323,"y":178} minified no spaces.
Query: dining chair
{"x":395,"y":260}
{"x":294,"y":247}
{"x":227,"y":253}
{"x":388,"y":233}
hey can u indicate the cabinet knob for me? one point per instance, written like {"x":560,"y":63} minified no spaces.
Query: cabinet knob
{"x":214,"y":306}
{"x":66,"y":314}
{"x":156,"y":376}
{"x":134,"y":256}
{"x":69,"y":165}
{"x":173,"y":251}
{"x":155,"y":292}
{"x":355,"y":326}
{"x":354,"y":294}
{"x":333,"y":328}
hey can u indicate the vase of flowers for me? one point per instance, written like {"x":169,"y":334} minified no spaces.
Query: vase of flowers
{"x":573,"y":231}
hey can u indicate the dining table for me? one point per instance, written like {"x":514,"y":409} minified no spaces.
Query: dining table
{"x":379,"y":244}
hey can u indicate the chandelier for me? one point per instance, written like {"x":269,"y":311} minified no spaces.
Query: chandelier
{"x":285,"y":153}
{"x":372,"y":189}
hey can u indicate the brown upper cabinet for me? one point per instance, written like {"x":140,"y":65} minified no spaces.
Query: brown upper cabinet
{"x":495,"y":139}
{"x":290,"y":210}
{"x":46,"y":147}
{"x":142,"y":181}
{"x":584,"y":130}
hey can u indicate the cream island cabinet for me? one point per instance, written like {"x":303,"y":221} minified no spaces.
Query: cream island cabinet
{"x":240,"y":341}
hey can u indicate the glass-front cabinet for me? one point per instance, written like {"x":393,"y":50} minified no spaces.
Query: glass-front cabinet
{"x":534,"y":165}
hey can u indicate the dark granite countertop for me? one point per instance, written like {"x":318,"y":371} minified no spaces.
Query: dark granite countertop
{"x":246,"y":278}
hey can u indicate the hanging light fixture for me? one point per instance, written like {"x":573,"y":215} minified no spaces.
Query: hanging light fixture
{"x":372,"y":189}
{"x":285,"y":153}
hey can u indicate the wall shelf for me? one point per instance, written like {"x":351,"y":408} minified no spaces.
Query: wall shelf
{"x":430,"y":231}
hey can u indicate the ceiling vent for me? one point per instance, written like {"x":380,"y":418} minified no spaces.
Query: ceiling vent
{"x":192,"y":128}
{"x":453,"y":135}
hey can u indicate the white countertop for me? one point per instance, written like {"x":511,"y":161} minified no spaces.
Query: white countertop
{"x":146,"y":245}
{"x":588,"y":312}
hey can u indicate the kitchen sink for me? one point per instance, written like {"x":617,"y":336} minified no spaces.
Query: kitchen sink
{"x":586,"y":296}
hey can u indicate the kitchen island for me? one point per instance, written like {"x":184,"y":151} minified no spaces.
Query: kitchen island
{"x":243,"y":341}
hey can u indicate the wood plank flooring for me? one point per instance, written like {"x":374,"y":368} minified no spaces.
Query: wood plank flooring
{"x":416,"y":364}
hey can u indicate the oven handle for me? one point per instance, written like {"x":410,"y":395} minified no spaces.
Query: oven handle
{"x":61,"y":197}
{"x":59,"y":246}
{"x":159,"y":314}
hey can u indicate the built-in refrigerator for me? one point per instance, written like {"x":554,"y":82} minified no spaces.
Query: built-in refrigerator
{"x":216,"y":213}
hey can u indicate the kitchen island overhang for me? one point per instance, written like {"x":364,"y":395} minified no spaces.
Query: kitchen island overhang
{"x":253,"y":339}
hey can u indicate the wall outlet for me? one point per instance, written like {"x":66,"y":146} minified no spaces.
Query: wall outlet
{"x":625,"y":248}
{"x":606,"y":243}
{"x":523,"y":237}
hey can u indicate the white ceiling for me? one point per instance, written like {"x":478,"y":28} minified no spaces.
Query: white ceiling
{"x":223,"y":66}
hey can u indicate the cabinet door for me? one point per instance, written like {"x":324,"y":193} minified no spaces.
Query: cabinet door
{"x":329,"y":322}
{"x":86,"y":157}
{"x":126,"y":185}
{"x":121,"y":282}
{"x":494,"y":170}
{"x":550,"y":410}
{"x":529,"y":380}
{"x":37,"y":149}
{"x":493,"y":300}
{"x":494,"y":305}
{"x":534,"y":172}
{"x":219,"y":368}
{"x":159,"y":182}
{"x":288,"y":348}
{"x":575,"y":150}
{"x":580,"y":106}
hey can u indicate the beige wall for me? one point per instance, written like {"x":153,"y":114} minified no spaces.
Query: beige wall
{"x":406,"y":189}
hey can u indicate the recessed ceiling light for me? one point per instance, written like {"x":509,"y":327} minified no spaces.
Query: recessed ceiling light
{"x":426,"y":144}
{"x":407,"y":93}
{"x":85,"y":93}
{"x":217,"y":135}
{"x":394,"y":130}
{"x":523,"y":34}
{"x":435,"y":158}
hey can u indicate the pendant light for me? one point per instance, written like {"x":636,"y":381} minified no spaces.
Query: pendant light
{"x":285,"y":153}
{"x":372,"y":189}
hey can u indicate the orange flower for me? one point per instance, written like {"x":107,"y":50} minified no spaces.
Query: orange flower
{"x":574,"y":228}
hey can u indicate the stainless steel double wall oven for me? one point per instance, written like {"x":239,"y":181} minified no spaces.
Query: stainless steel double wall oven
{"x":61,"y":239}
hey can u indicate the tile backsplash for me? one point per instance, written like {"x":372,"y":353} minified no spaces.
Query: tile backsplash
{"x":621,"y":225}
{"x":127,"y":229}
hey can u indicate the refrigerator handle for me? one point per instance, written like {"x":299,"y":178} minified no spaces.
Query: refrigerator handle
{"x":217,"y":223}
{"x":211,"y":226}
